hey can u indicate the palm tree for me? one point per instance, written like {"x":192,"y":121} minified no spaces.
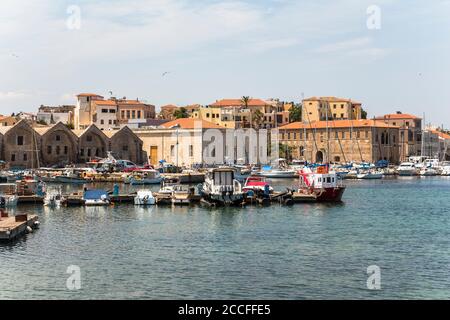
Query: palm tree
{"x":245,"y":100}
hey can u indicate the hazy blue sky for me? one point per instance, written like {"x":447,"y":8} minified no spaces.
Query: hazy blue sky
{"x":225,"y":49}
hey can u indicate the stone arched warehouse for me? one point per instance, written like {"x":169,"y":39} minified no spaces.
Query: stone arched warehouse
{"x":25,"y":146}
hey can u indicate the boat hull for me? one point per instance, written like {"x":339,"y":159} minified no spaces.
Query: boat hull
{"x":320,"y":195}
{"x":225,"y":199}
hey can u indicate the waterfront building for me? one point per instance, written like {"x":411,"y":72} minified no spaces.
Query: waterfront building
{"x":410,"y":133}
{"x":52,"y":115}
{"x":26,"y":146}
{"x":59,"y":145}
{"x":20,"y":145}
{"x":125,"y":144}
{"x":178,"y":142}
{"x":323,"y":108}
{"x":92,"y":143}
{"x":341,"y":141}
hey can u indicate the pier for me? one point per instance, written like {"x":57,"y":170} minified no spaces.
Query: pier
{"x":16,"y":226}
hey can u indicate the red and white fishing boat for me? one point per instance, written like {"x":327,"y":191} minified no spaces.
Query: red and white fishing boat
{"x":319,"y":186}
{"x":256,"y":184}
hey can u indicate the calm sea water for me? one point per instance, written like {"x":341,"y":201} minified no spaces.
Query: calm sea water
{"x":312,"y":251}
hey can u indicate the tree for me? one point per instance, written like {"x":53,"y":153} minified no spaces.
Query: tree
{"x":52,"y":120}
{"x":295,"y":113}
{"x":181,"y":113}
{"x":245,"y":100}
{"x":363,"y":114}
{"x":257,"y":119}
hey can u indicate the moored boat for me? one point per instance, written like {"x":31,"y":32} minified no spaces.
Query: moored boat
{"x":319,"y":186}
{"x":96,"y":197}
{"x":144,"y":198}
{"x":221,"y":188}
{"x":144,"y":177}
{"x":407,"y":169}
{"x":8,"y":195}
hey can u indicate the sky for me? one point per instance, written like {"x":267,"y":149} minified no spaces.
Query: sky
{"x":390,"y":55}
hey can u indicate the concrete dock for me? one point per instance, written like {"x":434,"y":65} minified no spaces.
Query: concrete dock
{"x":15,"y":226}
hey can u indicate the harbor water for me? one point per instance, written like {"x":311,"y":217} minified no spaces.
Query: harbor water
{"x":306,"y":251}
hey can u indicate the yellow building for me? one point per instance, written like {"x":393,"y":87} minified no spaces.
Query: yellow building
{"x":235,"y":114}
{"x":323,"y":108}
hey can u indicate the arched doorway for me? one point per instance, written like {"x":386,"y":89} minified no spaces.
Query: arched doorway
{"x":319,"y":157}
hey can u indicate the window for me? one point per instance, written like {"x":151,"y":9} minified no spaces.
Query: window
{"x":66,"y":149}
{"x":112,"y":110}
{"x":104,"y":110}
{"x":123,"y":114}
{"x":20,"y":140}
{"x":172,"y":151}
{"x":13,"y":157}
{"x":102,"y":121}
{"x":128,"y":114}
{"x":125,"y":148}
{"x":49,"y":149}
{"x":191,"y":150}
{"x":58,"y":138}
{"x":110,"y":122}
{"x":89,"y":152}
{"x":342,"y":116}
{"x":336,"y":134}
{"x":133,"y":114}
{"x":82,"y":152}
{"x":58,"y":150}
{"x":207,"y":115}
{"x":213,"y":115}
{"x":25,"y":157}
{"x":139,"y":114}
{"x":89,"y":138}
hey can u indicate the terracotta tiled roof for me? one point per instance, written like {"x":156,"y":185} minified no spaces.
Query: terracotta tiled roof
{"x":190,"y":123}
{"x":396,"y":116}
{"x":239,"y":102}
{"x":337,"y":124}
{"x":441,"y":135}
{"x":331,"y":99}
{"x":105,"y":102}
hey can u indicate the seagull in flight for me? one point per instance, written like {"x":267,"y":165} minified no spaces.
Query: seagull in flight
{"x":14,"y":55}
{"x":165,"y":73}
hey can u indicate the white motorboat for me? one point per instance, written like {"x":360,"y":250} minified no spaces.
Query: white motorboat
{"x":277,"y":173}
{"x":445,"y":168}
{"x":144,"y":198}
{"x":221,"y":188}
{"x":407,"y":169}
{"x":428,"y":172}
{"x":370,"y":175}
{"x":53,"y":199}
